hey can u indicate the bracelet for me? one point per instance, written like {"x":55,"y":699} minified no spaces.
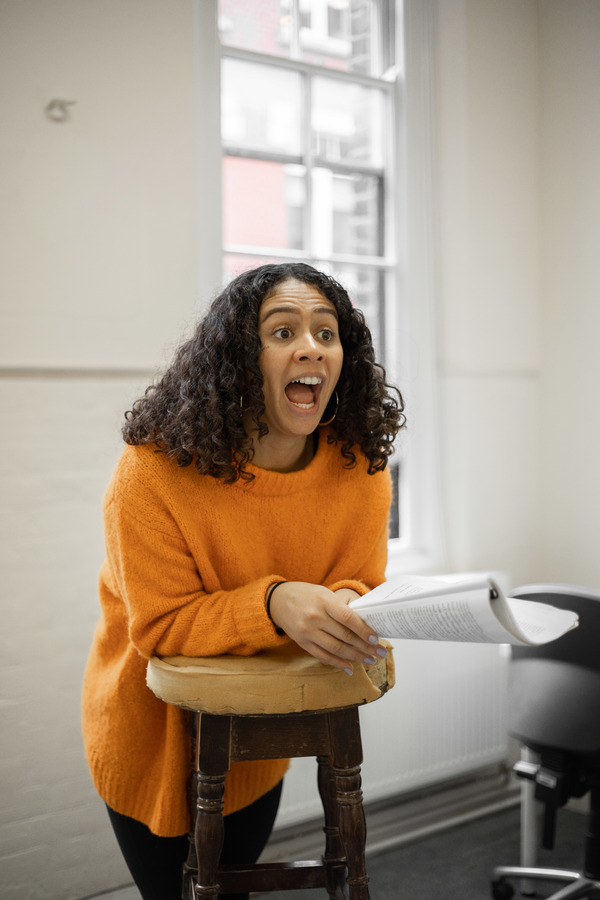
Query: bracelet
{"x":268,"y":605}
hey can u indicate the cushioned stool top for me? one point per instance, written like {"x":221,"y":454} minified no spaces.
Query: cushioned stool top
{"x":278,"y":681}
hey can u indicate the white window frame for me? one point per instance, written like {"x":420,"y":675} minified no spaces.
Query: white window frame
{"x":409,"y":265}
{"x":422,"y":547}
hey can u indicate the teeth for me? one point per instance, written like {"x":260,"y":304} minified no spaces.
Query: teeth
{"x":309,"y":380}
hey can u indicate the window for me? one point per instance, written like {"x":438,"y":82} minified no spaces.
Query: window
{"x":309,"y":122}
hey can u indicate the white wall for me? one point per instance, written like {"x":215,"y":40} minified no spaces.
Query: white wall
{"x":105,"y":255}
{"x":489,"y":309}
{"x":518,"y":314}
{"x":570,"y":290}
{"x":110,"y":236}
{"x":100,"y":259}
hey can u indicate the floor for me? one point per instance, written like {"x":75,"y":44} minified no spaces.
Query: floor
{"x":455,"y":863}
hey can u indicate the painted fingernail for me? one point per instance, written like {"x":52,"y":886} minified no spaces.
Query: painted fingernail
{"x":348,"y":671}
{"x":369,"y":661}
{"x":373,"y":639}
{"x":382,"y":652}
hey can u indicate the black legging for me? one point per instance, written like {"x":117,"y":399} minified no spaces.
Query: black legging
{"x":156,"y":862}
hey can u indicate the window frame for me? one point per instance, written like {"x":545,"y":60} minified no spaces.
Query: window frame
{"x":408,"y":208}
{"x":307,"y":70}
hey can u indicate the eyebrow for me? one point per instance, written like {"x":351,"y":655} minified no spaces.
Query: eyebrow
{"x":292,"y":311}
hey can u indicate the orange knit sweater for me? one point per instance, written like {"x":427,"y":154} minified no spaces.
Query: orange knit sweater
{"x":189,"y":561}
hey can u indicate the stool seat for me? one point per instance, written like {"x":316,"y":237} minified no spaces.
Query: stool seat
{"x":278,"y":681}
{"x":278,"y":704}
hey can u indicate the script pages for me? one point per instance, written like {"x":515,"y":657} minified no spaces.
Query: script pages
{"x":437,"y":609}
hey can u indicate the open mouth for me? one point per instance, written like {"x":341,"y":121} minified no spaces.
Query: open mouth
{"x":304,"y":392}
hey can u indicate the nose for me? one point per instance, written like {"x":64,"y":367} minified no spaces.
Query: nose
{"x":308,"y":348}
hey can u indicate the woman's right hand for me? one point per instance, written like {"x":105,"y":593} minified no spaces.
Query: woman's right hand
{"x":321,"y":622}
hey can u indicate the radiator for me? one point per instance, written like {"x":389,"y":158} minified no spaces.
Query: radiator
{"x":446,"y":717}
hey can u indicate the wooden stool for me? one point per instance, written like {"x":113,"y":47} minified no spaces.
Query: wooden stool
{"x":280,"y":703}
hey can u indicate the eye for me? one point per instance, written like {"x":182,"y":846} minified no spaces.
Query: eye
{"x":284,"y":332}
{"x":326,"y":334}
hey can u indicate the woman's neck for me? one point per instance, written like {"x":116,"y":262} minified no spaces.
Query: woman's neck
{"x":284,"y":455}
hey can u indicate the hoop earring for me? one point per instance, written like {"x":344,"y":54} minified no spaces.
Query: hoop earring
{"x":337,"y":403}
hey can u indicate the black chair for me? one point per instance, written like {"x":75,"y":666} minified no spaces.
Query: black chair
{"x":554,"y":711}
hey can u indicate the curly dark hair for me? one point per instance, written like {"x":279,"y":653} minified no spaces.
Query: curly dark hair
{"x":194,"y":414}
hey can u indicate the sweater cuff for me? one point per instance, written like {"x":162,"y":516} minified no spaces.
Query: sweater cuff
{"x":359,"y":586}
{"x":270,"y":590}
{"x":252,"y":622}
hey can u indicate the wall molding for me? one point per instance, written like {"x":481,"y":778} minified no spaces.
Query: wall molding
{"x":75,"y":372}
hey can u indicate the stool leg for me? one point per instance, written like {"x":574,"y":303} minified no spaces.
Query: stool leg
{"x":353,"y":830}
{"x":334,"y":859}
{"x":346,"y":758}
{"x":213,"y":756}
{"x":208,"y":834}
{"x":190,"y":866}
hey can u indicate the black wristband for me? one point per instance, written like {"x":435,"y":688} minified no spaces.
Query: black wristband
{"x":268,"y":605}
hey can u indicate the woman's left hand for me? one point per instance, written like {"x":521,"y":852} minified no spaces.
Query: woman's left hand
{"x":347,"y":595}
{"x":320,"y":621}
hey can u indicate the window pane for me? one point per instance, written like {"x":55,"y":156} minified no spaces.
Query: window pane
{"x":366,"y":290}
{"x":339,"y":34}
{"x":260,"y":108}
{"x":235,"y":263}
{"x":263,"y":27}
{"x":347,"y":122}
{"x":346,"y":214}
{"x":263,"y":203}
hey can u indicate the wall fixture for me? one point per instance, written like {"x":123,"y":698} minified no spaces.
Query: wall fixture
{"x":58,"y":110}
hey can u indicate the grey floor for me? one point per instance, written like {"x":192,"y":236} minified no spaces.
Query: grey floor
{"x":126,"y":893}
{"x":453,"y":865}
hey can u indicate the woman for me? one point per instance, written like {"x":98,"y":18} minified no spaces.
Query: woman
{"x":249,"y":507}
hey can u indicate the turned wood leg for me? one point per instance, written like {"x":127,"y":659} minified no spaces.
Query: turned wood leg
{"x":334,"y":858}
{"x":353,"y":830}
{"x":190,"y":866}
{"x":208,"y":834}
{"x":213,"y":755}
{"x":346,"y":753}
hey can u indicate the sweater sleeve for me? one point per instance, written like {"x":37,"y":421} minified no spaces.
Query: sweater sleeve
{"x":367,"y":554}
{"x":168,"y":610}
{"x":372,"y":573}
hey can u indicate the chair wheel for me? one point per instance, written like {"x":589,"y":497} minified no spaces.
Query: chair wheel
{"x":502,"y":890}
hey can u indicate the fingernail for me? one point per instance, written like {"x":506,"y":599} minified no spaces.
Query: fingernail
{"x":382,"y":652}
{"x":348,"y":671}
{"x":369,"y":661}
{"x":373,"y":639}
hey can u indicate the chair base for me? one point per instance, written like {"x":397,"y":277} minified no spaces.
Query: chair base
{"x":579,"y":886}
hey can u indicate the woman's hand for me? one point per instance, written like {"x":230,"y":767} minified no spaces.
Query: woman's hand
{"x":320,"y":622}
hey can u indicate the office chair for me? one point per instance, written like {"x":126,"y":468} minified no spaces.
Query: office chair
{"x":554,"y":711}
